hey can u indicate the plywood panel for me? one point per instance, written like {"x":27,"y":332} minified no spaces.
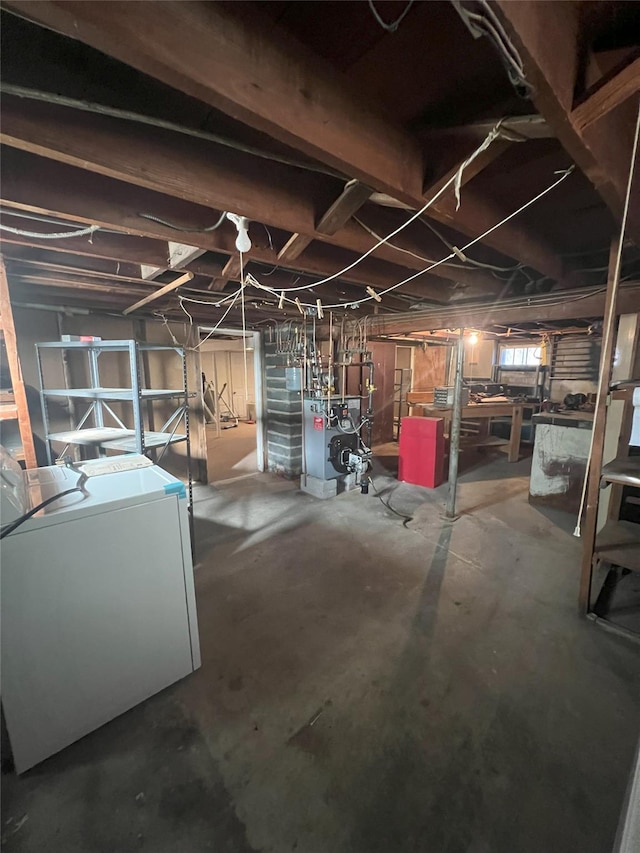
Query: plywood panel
{"x":384,"y":358}
{"x":429,"y":368}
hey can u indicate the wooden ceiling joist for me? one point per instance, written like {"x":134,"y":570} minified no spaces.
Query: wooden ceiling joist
{"x":147,"y":182}
{"x":243,"y":68}
{"x":103,"y":244}
{"x":547,"y":37}
{"x":202,"y":50}
{"x":607,"y":97}
{"x":44,"y":186}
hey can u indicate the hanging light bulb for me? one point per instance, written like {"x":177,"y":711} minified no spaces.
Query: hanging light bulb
{"x":243,"y":241}
{"x":473,"y":338}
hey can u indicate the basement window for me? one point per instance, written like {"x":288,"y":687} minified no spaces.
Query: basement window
{"x":530,"y":356}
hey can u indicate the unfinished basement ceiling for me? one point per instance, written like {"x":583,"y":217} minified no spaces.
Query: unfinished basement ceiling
{"x":326,"y":130}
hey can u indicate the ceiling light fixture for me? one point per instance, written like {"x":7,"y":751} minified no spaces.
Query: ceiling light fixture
{"x":243,"y":241}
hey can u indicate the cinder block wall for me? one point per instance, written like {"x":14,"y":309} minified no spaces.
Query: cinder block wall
{"x":284,"y":417}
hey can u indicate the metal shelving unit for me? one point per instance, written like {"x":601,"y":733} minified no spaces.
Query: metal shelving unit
{"x":99,"y":426}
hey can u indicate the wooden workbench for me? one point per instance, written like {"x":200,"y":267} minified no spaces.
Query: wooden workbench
{"x":483,"y":412}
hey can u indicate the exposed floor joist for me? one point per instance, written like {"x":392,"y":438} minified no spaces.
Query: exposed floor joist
{"x":313,"y":110}
{"x":547,"y":37}
{"x":187,"y":172}
{"x":202,"y":50}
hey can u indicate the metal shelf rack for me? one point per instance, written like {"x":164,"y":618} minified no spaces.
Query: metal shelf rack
{"x":92,"y":428}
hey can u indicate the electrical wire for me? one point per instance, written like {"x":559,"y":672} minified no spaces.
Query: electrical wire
{"x":128,"y":115}
{"x":393,"y":26}
{"x":221,"y":320}
{"x":13,"y":525}
{"x":489,"y":25}
{"x":60,"y":235}
{"x":491,"y":136}
{"x":471,"y":261}
{"x":563,"y":176}
{"x":480,"y":264}
{"x":387,"y":504}
{"x":180,"y":228}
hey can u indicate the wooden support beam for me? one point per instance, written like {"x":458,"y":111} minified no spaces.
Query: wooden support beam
{"x":547,"y":37}
{"x":118,"y":247}
{"x":37,"y":269}
{"x":87,"y":286}
{"x":42,"y":185}
{"x":348,"y":202}
{"x":484,"y":317}
{"x":25,"y":256}
{"x":282,"y":91}
{"x":294,"y":247}
{"x":240,"y":65}
{"x":594,"y":470}
{"x":169,"y":163}
{"x":162,"y":291}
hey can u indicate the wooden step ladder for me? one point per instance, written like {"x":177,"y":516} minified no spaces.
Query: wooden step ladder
{"x":18,"y":409}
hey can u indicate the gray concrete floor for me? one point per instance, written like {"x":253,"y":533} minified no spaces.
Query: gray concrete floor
{"x":366,"y":686}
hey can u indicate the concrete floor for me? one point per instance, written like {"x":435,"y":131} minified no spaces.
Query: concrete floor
{"x":365,"y":687}
{"x":232,"y":453}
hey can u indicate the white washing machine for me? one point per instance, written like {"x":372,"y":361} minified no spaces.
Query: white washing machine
{"x":98,"y":599}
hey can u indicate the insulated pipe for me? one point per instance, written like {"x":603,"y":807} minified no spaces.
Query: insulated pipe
{"x":454,"y":438}
{"x":371,"y":367}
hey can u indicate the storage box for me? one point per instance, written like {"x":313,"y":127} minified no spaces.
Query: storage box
{"x":443,"y":396}
{"x":421,"y":452}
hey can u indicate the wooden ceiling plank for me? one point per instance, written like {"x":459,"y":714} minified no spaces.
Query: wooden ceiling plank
{"x":249,"y":71}
{"x":162,"y":291}
{"x":607,"y":97}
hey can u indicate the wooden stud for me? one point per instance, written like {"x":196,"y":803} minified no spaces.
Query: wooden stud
{"x":597,"y":446}
{"x":13,"y":360}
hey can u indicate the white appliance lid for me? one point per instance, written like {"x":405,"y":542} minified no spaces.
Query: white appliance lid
{"x":105,"y":492}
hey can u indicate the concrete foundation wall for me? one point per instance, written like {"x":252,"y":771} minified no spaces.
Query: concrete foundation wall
{"x":283,"y":420}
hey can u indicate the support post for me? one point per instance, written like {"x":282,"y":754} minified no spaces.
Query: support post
{"x":454,"y":437}
{"x":594,"y":465}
